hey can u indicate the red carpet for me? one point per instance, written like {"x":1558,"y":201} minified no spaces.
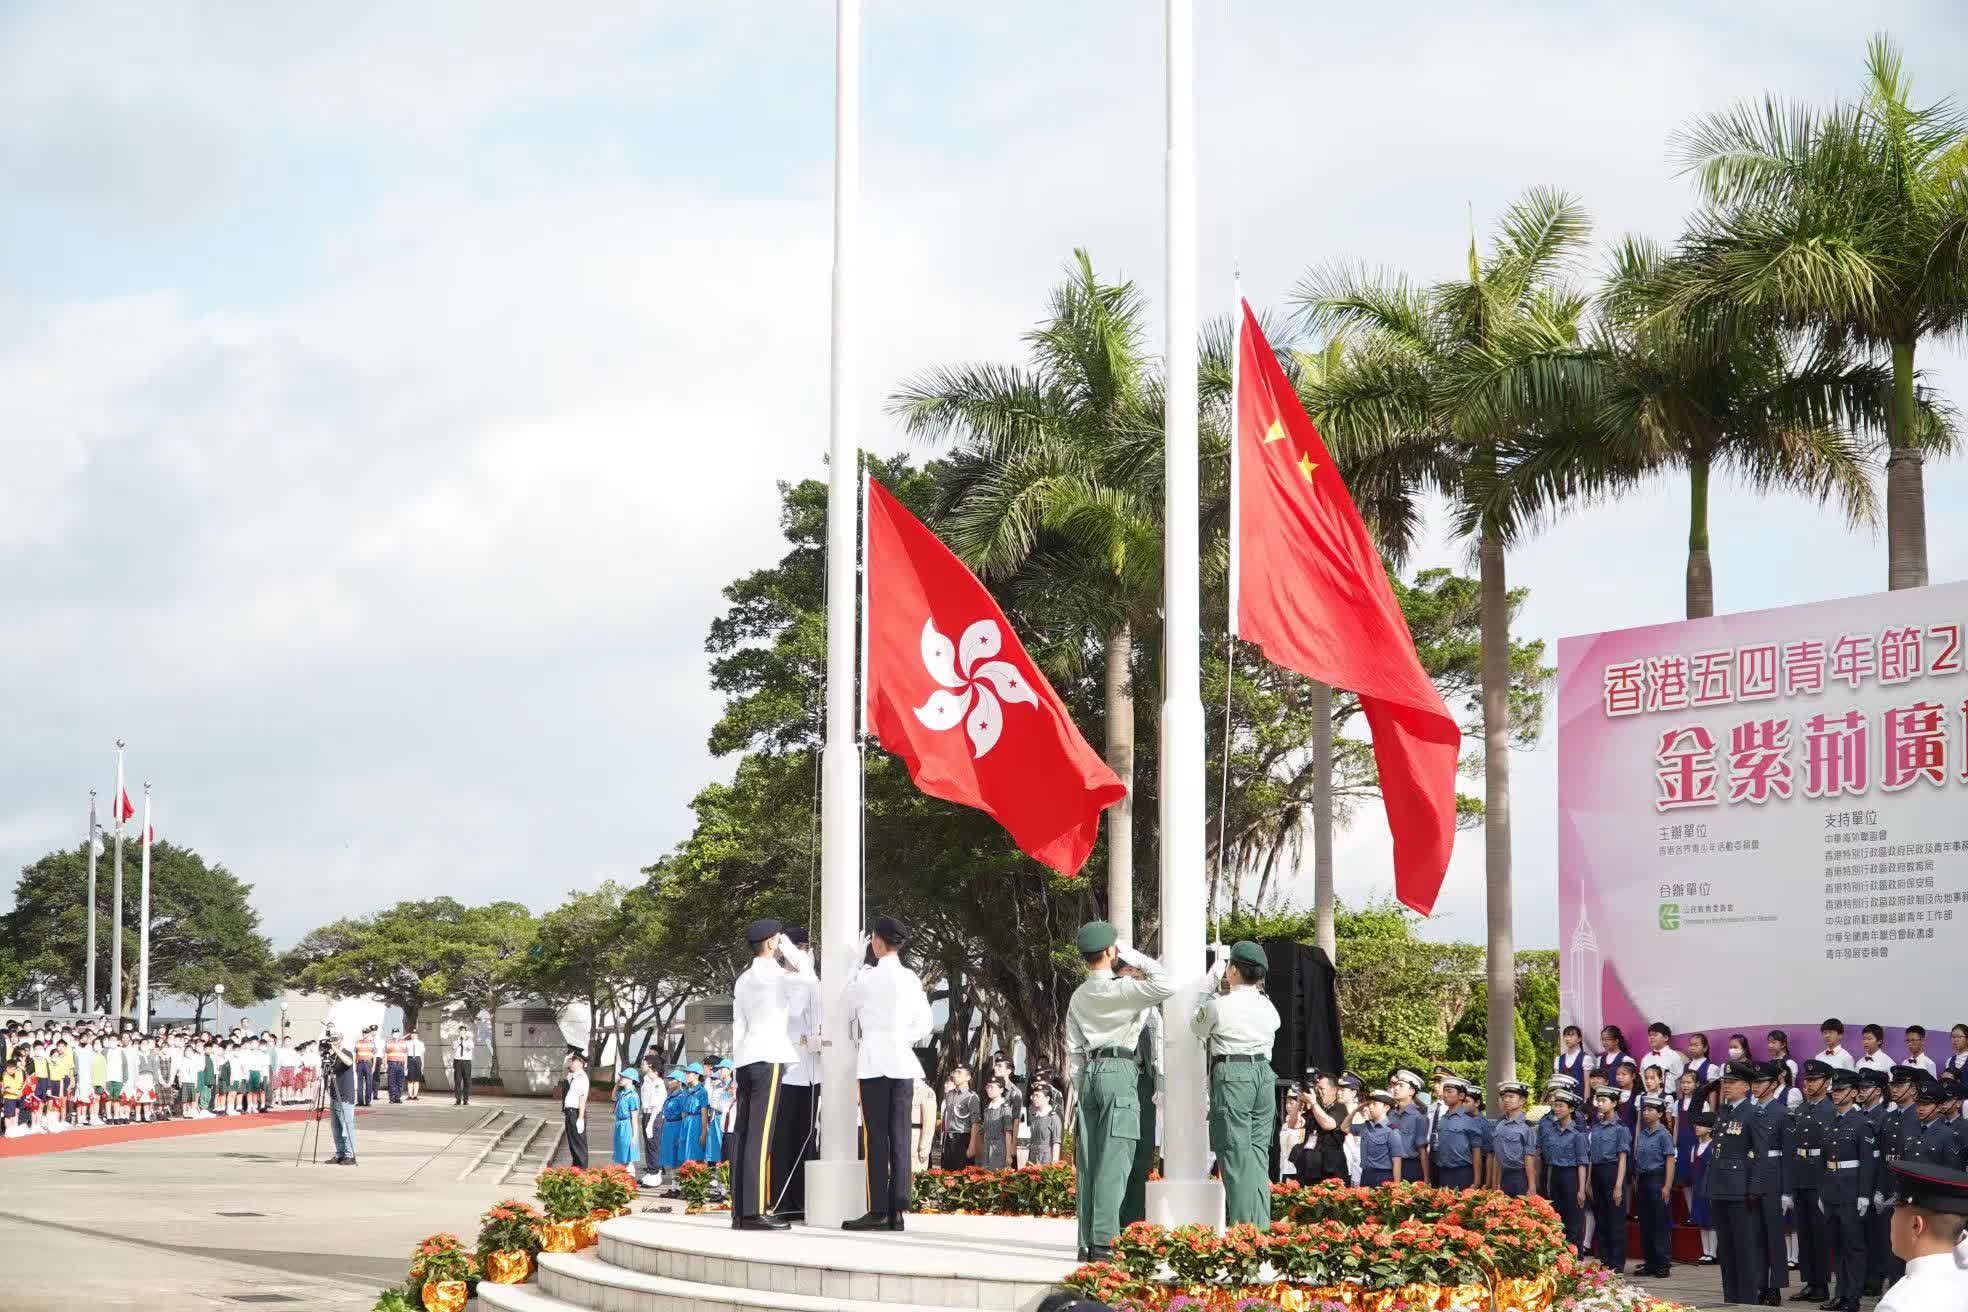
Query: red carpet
{"x":33,"y":1144}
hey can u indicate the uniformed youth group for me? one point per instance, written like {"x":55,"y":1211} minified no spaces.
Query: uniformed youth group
{"x":1829,"y":1163}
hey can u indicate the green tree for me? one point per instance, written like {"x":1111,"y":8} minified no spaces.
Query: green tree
{"x":1428,"y":395}
{"x":1850,"y":221}
{"x":203,"y":930}
{"x":1052,"y":492}
{"x":414,"y":954}
{"x":1676,"y":387}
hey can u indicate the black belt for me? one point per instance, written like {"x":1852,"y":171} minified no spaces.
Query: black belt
{"x":1237,"y":1056}
{"x":1113,"y":1054}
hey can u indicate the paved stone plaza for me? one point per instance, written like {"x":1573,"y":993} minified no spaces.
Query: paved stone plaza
{"x":146,"y":1224}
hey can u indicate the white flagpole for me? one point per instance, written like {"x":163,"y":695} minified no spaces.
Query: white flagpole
{"x":1186,"y":1194}
{"x":115,"y":1008}
{"x":1236,"y":444}
{"x":89,"y":970}
{"x":143,"y":926}
{"x":835,"y":1185}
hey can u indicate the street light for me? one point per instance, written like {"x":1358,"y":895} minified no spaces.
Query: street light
{"x":218,"y":1023}
{"x":283,"y":1022}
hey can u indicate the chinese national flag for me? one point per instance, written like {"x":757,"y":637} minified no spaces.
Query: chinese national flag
{"x":1311,"y":591}
{"x":951,"y":691}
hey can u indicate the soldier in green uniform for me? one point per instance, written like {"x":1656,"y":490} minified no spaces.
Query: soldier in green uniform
{"x":1103,"y":1036}
{"x":1238,"y":1027}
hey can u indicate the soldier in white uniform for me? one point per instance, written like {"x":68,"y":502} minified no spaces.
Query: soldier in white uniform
{"x":1928,"y":1227}
{"x":1238,"y":1027}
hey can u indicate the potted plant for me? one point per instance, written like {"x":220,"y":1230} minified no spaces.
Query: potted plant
{"x":443,"y":1270}
{"x":694,"y":1183}
{"x":508,"y":1238}
{"x":563,"y":1191}
{"x":609,"y":1190}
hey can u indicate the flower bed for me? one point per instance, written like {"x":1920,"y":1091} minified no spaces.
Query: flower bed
{"x":1018,"y":1191}
{"x":701,"y":1183}
{"x":1391,"y":1249}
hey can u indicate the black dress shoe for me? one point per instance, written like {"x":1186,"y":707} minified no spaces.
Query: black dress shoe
{"x":1771,"y":1298}
{"x":871,"y":1221}
{"x":1814,"y":1294}
{"x":763,"y":1221}
{"x":1706,"y":1261}
{"x":1100,"y":1253}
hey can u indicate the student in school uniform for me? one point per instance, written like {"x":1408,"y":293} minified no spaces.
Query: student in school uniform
{"x":674,"y":1132}
{"x":1776,"y":1046}
{"x":1957,"y":1062}
{"x":1834,"y":1054}
{"x":1653,"y":1173}
{"x":1700,"y":1214}
{"x":1572,"y":1060}
{"x":13,"y":1092}
{"x":1561,"y":1164}
{"x":1380,"y":1143}
{"x":1626,"y":1080}
{"x":1707,"y":1070}
{"x":1872,"y":1041}
{"x":1614,"y":1052}
{"x":1688,"y":1100}
{"x":1512,"y":1143}
{"x":1661,"y":1056}
{"x":1609,"y":1145}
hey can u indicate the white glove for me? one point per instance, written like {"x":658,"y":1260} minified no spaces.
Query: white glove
{"x":1865,"y":1205}
{"x":1129,"y":957}
{"x":1879,"y":1200}
{"x":1786,"y":1204}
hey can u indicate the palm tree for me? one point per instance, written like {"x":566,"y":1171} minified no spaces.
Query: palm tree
{"x":1427,"y":396}
{"x":1054,"y":492}
{"x":1852,"y":221}
{"x":1677,"y":388}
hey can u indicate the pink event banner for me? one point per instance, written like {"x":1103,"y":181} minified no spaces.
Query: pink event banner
{"x":1763,"y":821}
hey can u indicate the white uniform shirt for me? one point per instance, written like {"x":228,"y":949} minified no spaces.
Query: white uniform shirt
{"x":577,"y":1093}
{"x":1670,"y":1063}
{"x":803,"y":1021}
{"x":1923,"y":1061}
{"x":1935,"y":1283}
{"x":652,"y":1096}
{"x":1877,"y":1061}
{"x":892,"y":1013}
{"x":462,"y":1045}
{"x":761,"y":1015}
{"x":1239,"y":1023}
{"x":1837,"y":1058}
{"x":413,"y":1047}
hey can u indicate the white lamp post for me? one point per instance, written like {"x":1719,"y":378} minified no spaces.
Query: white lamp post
{"x":218,"y":1022}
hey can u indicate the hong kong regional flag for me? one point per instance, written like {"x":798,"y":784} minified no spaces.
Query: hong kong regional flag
{"x":951,"y":691}
{"x":1311,"y":591}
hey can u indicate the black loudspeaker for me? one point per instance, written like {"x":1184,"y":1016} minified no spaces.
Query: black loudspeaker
{"x":1300,"y":985}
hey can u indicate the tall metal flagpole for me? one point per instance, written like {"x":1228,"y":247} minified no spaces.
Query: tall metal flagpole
{"x":835,"y":1185}
{"x":89,"y":969}
{"x":143,"y":925}
{"x":115,"y":1008}
{"x":1185,"y":1194}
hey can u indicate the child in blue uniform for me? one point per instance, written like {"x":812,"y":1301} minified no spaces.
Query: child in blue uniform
{"x":1699,"y":1213}
{"x":1561,"y":1154}
{"x":1380,"y":1142}
{"x":695,"y":1104}
{"x":628,"y":1119}
{"x":1608,"y":1144}
{"x":1653,"y":1171}
{"x":671,"y":1153}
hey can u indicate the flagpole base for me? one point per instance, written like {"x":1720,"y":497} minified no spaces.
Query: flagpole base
{"x":835,"y":1192}
{"x":1186,"y":1202}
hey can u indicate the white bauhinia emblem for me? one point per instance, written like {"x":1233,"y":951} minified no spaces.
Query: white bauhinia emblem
{"x":980,"y":688}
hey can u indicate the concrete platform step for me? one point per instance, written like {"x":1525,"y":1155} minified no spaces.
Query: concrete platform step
{"x":583,"y":1280}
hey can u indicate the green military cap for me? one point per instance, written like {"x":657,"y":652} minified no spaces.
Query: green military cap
{"x":1096,"y":936}
{"x":1248,"y":953}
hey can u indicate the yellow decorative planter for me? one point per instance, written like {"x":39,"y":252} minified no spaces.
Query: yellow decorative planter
{"x":508,"y":1267}
{"x":557,"y":1237}
{"x":584,"y":1233}
{"x":445,"y":1296}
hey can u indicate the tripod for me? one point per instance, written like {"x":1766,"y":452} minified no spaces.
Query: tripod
{"x":313,"y":1122}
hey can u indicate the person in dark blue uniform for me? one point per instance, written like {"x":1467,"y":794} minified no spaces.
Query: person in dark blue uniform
{"x":1410,"y":1122}
{"x":1458,"y":1138}
{"x":1380,"y":1142}
{"x":1766,"y":1176}
{"x":1848,"y":1180}
{"x":1512,"y":1142}
{"x":1930,"y":1138}
{"x":1559,"y":1165}
{"x":1653,"y":1173}
{"x":1738,"y":1234}
{"x":1879,"y":1109}
{"x":1608,"y":1145}
{"x":1804,"y":1136}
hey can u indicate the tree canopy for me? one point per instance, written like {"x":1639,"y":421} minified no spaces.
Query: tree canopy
{"x":415,"y":954}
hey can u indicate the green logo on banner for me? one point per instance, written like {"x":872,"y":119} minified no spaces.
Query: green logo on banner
{"x":1670,"y":915}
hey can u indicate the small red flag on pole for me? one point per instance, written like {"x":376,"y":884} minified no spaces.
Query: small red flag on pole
{"x":951,"y":691}
{"x":1309,"y":589}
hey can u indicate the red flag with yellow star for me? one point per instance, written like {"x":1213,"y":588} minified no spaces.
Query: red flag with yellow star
{"x":1308,"y":587}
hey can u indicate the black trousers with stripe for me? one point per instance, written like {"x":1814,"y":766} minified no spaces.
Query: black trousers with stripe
{"x":751,"y":1154}
{"x":885,"y":1129}
{"x":793,"y":1147}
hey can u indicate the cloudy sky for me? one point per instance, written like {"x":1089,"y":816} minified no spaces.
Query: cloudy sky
{"x":390,"y":389}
